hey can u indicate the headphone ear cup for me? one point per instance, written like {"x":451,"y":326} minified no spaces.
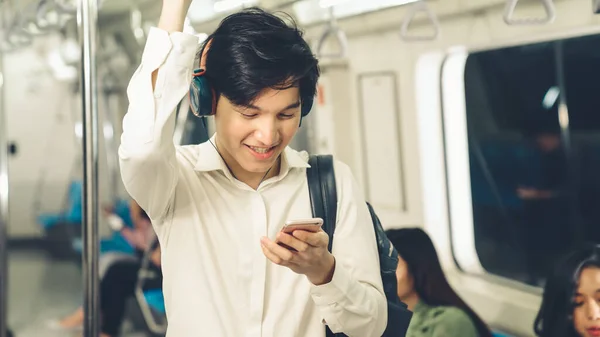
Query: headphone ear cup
{"x":306,"y":106}
{"x":201,"y":97}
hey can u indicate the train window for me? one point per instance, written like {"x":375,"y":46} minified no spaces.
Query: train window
{"x":534,"y":153}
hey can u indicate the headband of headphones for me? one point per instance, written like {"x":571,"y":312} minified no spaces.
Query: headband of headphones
{"x":203,"y":99}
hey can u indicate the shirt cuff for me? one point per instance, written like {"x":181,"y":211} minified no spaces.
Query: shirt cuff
{"x":185,"y":47}
{"x":160,"y":44}
{"x":334,"y":291}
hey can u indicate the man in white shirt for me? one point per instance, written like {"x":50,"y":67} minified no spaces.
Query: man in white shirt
{"x":218,"y":207}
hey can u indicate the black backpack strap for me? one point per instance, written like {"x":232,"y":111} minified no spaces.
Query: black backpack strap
{"x":323,"y":192}
{"x":323,"y":198}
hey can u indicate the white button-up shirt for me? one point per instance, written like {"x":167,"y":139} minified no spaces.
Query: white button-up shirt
{"x":217,"y":281}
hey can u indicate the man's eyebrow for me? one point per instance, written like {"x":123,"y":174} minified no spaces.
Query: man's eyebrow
{"x":291,"y":106}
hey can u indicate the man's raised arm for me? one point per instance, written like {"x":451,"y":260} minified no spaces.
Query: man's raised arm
{"x":147,"y":153}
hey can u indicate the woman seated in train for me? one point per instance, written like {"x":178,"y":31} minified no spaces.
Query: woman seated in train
{"x":141,"y":237}
{"x":571,"y":302}
{"x":437,"y":309}
{"x":134,"y":230}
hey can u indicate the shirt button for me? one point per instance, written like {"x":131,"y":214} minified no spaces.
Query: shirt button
{"x":157,"y":95}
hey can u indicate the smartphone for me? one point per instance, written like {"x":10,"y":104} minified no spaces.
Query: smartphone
{"x":310,"y":225}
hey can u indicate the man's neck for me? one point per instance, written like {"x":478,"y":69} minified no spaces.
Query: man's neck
{"x":255,"y":179}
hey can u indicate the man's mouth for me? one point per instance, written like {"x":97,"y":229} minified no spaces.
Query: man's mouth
{"x":261,"y":150}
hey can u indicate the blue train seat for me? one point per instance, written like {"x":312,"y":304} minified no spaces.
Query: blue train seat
{"x":116,"y":243}
{"x":73,"y":212}
{"x":155,"y":300}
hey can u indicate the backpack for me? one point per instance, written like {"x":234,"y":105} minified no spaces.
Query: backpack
{"x":323,"y":199}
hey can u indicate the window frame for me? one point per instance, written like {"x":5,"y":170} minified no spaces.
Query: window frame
{"x":452,"y":113}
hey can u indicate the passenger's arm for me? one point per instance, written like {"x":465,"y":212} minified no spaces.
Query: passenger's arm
{"x":147,"y":153}
{"x":155,"y":257}
{"x":353,"y":302}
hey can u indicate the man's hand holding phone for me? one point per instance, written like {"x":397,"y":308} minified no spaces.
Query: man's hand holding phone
{"x":302,"y":246}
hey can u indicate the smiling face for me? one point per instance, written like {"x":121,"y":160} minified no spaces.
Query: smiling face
{"x":251,"y":138}
{"x":586,"y":315}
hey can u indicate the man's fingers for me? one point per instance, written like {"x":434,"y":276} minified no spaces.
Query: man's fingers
{"x":292,"y":242}
{"x":318,"y":239}
{"x":275,"y":252}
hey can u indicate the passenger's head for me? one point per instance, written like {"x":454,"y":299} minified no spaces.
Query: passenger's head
{"x":545,"y":137}
{"x":262,"y":71}
{"x":571,"y":301}
{"x":420,"y":273}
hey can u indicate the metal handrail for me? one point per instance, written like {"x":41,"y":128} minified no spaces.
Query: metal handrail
{"x":509,"y":12}
{"x":419,"y":6}
{"x":143,"y":274}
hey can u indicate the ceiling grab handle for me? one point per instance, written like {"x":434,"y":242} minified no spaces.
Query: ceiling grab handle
{"x":509,"y":13}
{"x":420,"y":6}
{"x":66,"y":7}
{"x":48,"y":16}
{"x":332,"y":29}
{"x":16,"y":35}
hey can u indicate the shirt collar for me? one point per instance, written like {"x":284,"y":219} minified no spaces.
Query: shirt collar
{"x":210,"y":160}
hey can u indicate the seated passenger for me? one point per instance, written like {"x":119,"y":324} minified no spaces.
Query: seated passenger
{"x":140,"y":237}
{"x":119,"y":284}
{"x":571,"y":302}
{"x":422,"y":285}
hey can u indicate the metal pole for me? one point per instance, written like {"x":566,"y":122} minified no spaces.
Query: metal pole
{"x":87,"y":18}
{"x":3,"y":209}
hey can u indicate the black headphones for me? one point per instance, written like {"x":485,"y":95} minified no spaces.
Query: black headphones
{"x":203,"y":100}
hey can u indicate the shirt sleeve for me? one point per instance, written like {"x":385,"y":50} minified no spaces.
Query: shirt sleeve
{"x":354,"y":302}
{"x":147,"y":153}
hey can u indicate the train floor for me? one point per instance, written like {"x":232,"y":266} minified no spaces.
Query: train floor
{"x":41,"y":290}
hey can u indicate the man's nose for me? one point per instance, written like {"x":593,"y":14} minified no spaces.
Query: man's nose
{"x":266,"y":132}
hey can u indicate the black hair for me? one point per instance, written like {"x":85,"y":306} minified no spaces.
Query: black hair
{"x":253,"y":50}
{"x":555,"y":317}
{"x":417,"y":250}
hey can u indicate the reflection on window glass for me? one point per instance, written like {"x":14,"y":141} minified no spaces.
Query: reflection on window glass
{"x":534,"y":183}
